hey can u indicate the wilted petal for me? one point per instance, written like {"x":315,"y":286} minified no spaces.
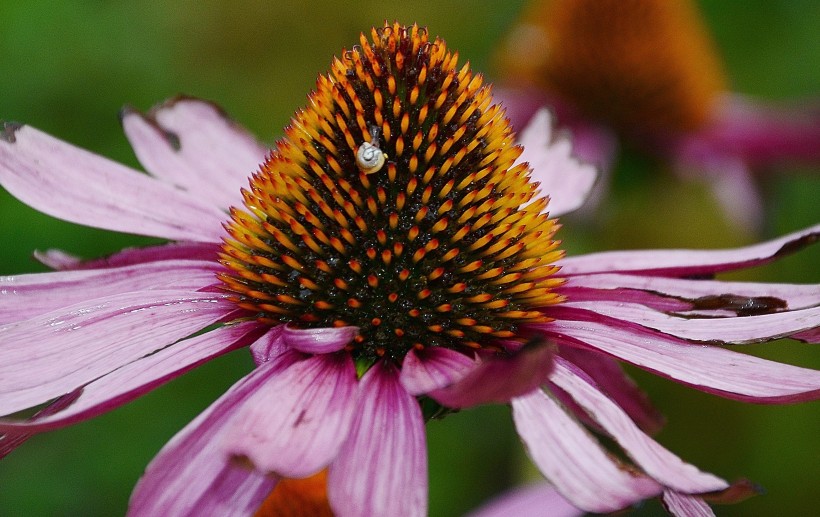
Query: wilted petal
{"x":190,"y":476}
{"x":563,"y":177}
{"x":682,"y":505}
{"x":705,"y":367}
{"x":78,"y":186}
{"x":57,"y":352}
{"x":572,"y":460}
{"x":294,"y":424}
{"x":382,"y":468}
{"x":432,"y":368}
{"x":538,"y":499}
{"x":688,"y":262}
{"x":319,"y":341}
{"x":685,"y":294}
{"x":659,"y":463}
{"x":57,"y":259}
{"x":26,"y":296}
{"x":499,"y":379}
{"x":194,"y":145}
{"x":746,"y":329}
{"x":141,"y":376}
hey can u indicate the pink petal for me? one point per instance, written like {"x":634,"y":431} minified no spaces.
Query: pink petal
{"x":191,"y":477}
{"x":269,"y":347}
{"x":13,"y":438}
{"x":708,"y":368}
{"x":659,"y":463}
{"x":141,"y":376}
{"x":194,"y":145}
{"x":55,"y":353}
{"x":319,"y":341}
{"x":432,"y":368}
{"x":745,"y":329}
{"x":531,"y":501}
{"x":612,"y":380}
{"x":685,"y":294}
{"x":572,"y":460}
{"x":689,"y":262}
{"x":382,"y":467}
{"x":57,"y":259}
{"x":78,"y":186}
{"x":25,"y":296}
{"x":497,"y":379}
{"x":294,"y":424}
{"x":682,"y":505}
{"x":563,"y":178}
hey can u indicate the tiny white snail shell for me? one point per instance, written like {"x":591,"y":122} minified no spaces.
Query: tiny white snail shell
{"x":369,"y":158}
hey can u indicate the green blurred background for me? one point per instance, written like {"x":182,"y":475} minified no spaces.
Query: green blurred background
{"x":68,"y":67}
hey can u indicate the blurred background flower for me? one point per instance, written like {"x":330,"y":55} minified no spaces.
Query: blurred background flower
{"x":68,"y":66}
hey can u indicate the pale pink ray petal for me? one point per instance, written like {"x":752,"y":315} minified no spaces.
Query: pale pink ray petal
{"x":192,"y":476}
{"x":705,"y":367}
{"x":563,"y":177}
{"x":689,"y":262}
{"x":682,"y":505}
{"x":656,"y":461}
{"x":25,"y":296}
{"x":612,"y":380}
{"x":499,"y":379}
{"x":739,"y":330}
{"x":141,"y":376}
{"x":319,"y":341}
{"x":81,"y":187}
{"x":573,"y":461}
{"x":194,"y":145}
{"x":57,"y":352}
{"x":701,"y":295}
{"x":434,"y":367}
{"x":294,"y":424}
{"x":12,"y":438}
{"x":536,"y":500}
{"x":382,"y":467}
{"x":269,"y":347}
{"x":57,"y":259}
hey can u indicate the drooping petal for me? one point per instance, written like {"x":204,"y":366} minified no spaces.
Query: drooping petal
{"x":529,"y":501}
{"x":745,"y":329}
{"x":191,"y":477}
{"x":658,"y":462}
{"x":700,"y":295}
{"x":57,"y":259}
{"x":57,"y":352}
{"x":432,"y":368}
{"x":319,"y":341}
{"x":78,"y":186}
{"x":294,"y":424}
{"x":10,"y":439}
{"x":572,"y":460}
{"x":612,"y":380}
{"x":141,"y":376}
{"x":194,"y":145}
{"x":682,"y":505}
{"x":566,"y":180}
{"x":497,"y":380}
{"x":26,"y":296}
{"x":269,"y":347}
{"x":689,"y":262}
{"x":382,"y":467}
{"x":705,"y":367}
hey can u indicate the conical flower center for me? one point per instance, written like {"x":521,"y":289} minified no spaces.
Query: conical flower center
{"x":393,"y":204}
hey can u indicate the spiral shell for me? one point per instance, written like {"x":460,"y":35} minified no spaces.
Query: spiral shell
{"x":369,"y":158}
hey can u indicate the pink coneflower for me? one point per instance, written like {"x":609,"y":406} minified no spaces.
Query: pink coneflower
{"x":392,"y":259}
{"x":647,"y":72}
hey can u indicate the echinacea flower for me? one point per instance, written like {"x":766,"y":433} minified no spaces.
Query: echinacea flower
{"x":391,"y":259}
{"x":647,"y":72}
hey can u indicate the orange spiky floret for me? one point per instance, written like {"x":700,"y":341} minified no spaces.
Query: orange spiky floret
{"x":441,"y":245}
